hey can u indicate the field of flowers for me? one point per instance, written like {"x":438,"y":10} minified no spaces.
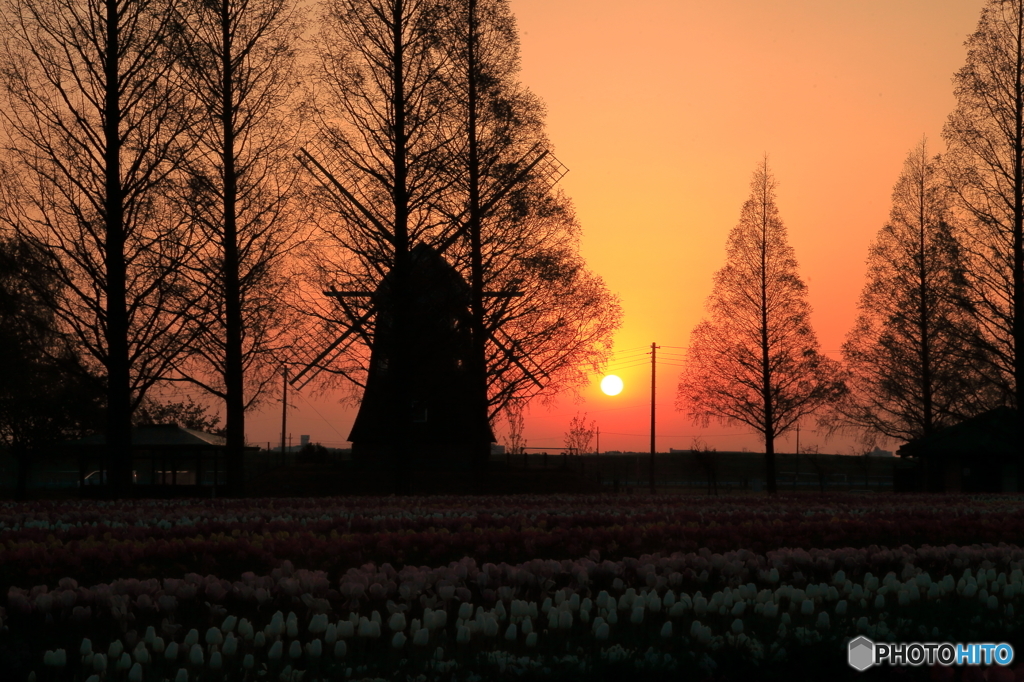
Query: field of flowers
{"x":494,"y":588}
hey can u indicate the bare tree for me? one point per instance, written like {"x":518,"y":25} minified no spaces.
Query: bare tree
{"x":985,"y":161}
{"x":380,"y":149}
{"x":580,"y":434}
{"x":238,"y":190}
{"x":755,"y":360}
{"x":707,"y":459}
{"x":520,"y":237}
{"x":515,"y":443}
{"x":907,"y":369}
{"x":94,"y":121}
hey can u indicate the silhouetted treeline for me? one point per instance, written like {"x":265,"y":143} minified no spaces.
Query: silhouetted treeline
{"x":152,"y":158}
{"x":941,"y":318}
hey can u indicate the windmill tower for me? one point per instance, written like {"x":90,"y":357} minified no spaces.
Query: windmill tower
{"x":421,"y":397}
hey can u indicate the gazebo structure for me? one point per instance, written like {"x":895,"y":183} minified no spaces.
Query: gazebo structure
{"x":166,"y":460}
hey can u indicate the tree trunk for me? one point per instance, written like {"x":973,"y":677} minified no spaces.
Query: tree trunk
{"x":119,"y":399}
{"x":479,"y":363}
{"x":401,"y":408}
{"x":1018,"y":237}
{"x":234,"y":384}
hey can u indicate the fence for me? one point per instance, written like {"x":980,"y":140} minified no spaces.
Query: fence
{"x":715,"y":471}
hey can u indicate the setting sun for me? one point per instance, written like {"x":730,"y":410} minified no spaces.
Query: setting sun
{"x":611,"y":385}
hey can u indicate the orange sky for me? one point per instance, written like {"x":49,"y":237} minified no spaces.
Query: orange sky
{"x":661,"y":109}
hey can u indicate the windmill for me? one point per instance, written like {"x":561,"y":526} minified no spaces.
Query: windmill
{"x":364,"y":314}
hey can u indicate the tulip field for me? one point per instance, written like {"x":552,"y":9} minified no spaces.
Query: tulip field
{"x":503,"y":588}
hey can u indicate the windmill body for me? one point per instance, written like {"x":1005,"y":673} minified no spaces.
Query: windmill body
{"x":432,"y":408}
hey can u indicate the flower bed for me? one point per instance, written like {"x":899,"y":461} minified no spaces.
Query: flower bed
{"x":97,"y":542}
{"x":716,"y":612}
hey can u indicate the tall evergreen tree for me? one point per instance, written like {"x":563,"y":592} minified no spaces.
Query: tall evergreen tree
{"x":239,"y":181}
{"x":985,"y":161}
{"x":519,"y":235}
{"x":381,"y":136}
{"x":755,"y":359}
{"x":909,"y":370}
{"x":94,"y":123}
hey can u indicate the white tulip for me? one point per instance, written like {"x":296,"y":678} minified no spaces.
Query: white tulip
{"x":216,"y":661}
{"x":230,"y":647}
{"x":294,"y":649}
{"x":135,"y":674}
{"x":666,"y":630}
{"x":318,"y":624}
{"x":397,"y":621}
{"x":195,"y":655}
{"x":552,"y":620}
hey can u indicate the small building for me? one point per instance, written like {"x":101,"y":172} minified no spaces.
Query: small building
{"x":980,"y":454}
{"x":167,"y":459}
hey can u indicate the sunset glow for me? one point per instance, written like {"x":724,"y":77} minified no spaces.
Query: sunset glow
{"x":661,"y":109}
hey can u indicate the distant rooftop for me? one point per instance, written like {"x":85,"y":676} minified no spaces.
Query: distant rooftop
{"x":159,"y":434}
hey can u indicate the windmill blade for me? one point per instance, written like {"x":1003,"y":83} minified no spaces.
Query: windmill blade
{"x":331,"y":182}
{"x":514,"y":359}
{"x":317,"y":337}
{"x":548,"y":167}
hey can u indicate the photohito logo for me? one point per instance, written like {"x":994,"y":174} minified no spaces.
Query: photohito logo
{"x":862,"y":653}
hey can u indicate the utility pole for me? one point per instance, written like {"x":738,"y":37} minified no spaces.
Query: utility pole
{"x":598,"y":441}
{"x":654,"y":351}
{"x":284,"y":407}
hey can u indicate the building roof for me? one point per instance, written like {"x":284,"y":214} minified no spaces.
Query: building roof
{"x":992,"y":433}
{"x":160,"y":435}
